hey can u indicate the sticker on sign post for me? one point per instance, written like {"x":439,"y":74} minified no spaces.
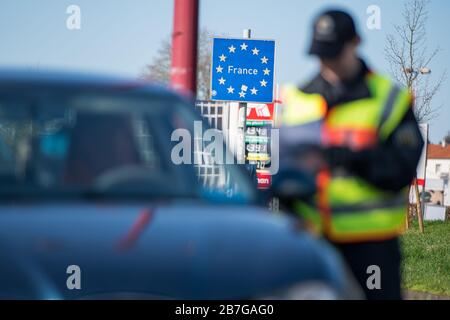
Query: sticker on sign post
{"x":242,"y":70}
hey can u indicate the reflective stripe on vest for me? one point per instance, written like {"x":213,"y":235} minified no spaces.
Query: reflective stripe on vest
{"x":361,"y":211}
{"x":301,"y":108}
{"x":348,"y":208}
{"x":362,"y":123}
{"x":374,"y":224}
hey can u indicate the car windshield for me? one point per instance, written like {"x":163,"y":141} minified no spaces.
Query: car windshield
{"x":100,"y":144}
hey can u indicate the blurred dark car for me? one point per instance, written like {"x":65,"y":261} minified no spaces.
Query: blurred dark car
{"x":89,"y":188}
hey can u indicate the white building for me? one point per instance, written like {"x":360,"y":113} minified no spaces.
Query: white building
{"x":438,"y":171}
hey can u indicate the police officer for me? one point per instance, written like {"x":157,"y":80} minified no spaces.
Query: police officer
{"x":372,"y":144}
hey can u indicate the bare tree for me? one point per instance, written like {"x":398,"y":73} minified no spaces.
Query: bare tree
{"x":447,"y":138}
{"x":159,"y":69}
{"x":409,"y":58}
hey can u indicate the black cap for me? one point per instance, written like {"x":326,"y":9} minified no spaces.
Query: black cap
{"x":332,"y":30}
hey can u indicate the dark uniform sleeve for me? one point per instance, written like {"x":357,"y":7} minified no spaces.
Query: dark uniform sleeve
{"x":392,"y":165}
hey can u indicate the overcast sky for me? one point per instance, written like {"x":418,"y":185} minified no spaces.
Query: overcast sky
{"x":122,"y":36}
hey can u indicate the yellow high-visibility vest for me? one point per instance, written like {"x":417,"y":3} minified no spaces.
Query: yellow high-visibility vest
{"x":347,"y":208}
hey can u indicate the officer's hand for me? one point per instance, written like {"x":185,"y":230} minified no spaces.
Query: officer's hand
{"x":339,"y":157}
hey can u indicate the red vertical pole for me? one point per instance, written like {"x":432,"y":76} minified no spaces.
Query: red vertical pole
{"x":184,"y":46}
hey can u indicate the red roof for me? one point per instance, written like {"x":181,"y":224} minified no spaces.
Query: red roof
{"x":437,"y":151}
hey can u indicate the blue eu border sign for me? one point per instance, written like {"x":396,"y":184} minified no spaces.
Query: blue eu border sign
{"x":242,"y":70}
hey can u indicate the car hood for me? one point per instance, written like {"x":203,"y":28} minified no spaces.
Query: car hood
{"x":178,"y":250}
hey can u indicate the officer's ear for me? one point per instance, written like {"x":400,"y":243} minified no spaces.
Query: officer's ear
{"x":356,"y":41}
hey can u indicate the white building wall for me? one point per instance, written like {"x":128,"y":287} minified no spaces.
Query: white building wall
{"x":447,"y":192}
{"x":439,"y":169}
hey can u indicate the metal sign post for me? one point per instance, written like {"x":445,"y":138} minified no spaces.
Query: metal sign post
{"x":247,"y":33}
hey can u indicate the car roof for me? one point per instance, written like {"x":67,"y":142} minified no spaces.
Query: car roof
{"x":68,"y":78}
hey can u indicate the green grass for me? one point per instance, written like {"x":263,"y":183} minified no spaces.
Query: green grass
{"x":426,"y":258}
